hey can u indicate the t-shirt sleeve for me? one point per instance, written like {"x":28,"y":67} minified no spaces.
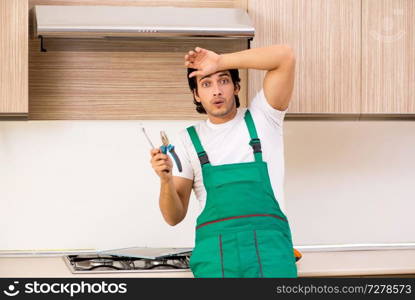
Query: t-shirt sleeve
{"x":260,"y":104}
{"x":182,"y":153}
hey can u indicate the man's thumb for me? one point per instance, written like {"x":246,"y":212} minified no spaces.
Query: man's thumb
{"x":195,"y":73}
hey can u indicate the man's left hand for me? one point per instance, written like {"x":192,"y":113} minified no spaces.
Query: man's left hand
{"x":205,"y":61}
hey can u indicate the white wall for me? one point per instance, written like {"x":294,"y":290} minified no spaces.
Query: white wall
{"x":351,"y":182}
{"x":83,"y":184}
{"x":89,"y":184}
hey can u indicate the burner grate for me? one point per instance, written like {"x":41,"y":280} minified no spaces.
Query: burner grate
{"x":109,"y":263}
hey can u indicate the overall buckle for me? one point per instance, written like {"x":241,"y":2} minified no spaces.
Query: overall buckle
{"x":256,"y":145}
{"x":203,"y":157}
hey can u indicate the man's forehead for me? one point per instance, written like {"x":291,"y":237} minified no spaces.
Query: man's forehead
{"x":220,"y":73}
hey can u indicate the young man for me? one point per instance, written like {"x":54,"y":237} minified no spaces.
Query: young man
{"x":234,"y":162}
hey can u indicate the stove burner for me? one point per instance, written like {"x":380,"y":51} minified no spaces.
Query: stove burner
{"x":95,"y":263}
{"x":101,"y":262}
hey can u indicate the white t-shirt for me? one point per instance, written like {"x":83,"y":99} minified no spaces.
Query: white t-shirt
{"x":228,"y":143}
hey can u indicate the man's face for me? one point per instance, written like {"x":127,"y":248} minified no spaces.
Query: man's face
{"x":217,"y":93}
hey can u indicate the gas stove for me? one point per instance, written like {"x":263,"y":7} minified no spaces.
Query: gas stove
{"x":104,"y":263}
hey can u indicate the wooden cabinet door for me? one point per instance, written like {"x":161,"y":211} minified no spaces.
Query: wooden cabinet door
{"x":326,"y":37}
{"x":388,"y":56}
{"x":119,"y":79}
{"x":13,"y":57}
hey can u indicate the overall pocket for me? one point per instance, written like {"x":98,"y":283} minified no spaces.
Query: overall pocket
{"x":205,"y":260}
{"x":232,"y":174}
{"x":276,"y":253}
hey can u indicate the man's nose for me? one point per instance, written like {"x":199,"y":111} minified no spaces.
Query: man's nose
{"x":216,"y":90}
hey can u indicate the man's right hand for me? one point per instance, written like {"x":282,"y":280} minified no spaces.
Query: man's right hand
{"x":162,"y":164}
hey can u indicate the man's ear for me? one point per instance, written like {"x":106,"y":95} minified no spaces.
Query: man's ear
{"x":236,"y":89}
{"x":196,"y":96}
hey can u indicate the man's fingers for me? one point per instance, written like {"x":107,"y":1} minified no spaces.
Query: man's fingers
{"x":160,"y":156}
{"x":154,"y":151}
{"x":162,"y":168}
{"x":160,"y":163}
{"x":193,"y":54}
{"x":161,"y":160}
{"x":195,"y":73}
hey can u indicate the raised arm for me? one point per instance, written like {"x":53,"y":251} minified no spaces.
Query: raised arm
{"x":278,"y":60}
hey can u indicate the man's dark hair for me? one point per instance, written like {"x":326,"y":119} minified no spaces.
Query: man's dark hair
{"x":193,"y":87}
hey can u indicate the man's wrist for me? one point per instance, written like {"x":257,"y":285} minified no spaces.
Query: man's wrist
{"x":229,"y":61}
{"x":166,"y":180}
{"x":222,"y":62}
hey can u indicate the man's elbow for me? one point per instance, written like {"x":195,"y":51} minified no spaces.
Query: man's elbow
{"x":173,"y":221}
{"x":289,"y":55}
{"x":286,"y":54}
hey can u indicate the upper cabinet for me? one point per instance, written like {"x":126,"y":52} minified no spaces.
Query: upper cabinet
{"x":13,"y":57}
{"x":353,"y":56}
{"x":118,"y":78}
{"x":326,"y":38}
{"x":388,"y":56}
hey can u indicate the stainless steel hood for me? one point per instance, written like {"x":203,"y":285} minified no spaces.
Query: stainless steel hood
{"x":136,"y":21}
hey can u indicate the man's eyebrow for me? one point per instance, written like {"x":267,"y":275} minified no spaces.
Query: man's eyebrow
{"x":221,"y":74}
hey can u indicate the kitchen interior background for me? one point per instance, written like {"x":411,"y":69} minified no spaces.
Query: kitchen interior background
{"x":77,"y":173}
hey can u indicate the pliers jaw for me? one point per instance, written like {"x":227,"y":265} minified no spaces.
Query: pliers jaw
{"x":167,"y":147}
{"x":165,"y":142}
{"x":164,"y":138}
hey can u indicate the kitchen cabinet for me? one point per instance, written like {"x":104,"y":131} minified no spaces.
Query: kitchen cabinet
{"x":118,"y":79}
{"x":353,"y":56}
{"x":13,"y":57}
{"x":388,"y":56}
{"x":83,"y":79}
{"x":325,"y":36}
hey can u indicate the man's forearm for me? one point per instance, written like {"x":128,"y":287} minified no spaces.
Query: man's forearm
{"x":266,"y":58}
{"x":170,"y":204}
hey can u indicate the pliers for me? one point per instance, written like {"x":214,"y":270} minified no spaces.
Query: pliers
{"x":170,"y":148}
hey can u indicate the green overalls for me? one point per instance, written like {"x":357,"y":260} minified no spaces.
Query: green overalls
{"x":241,"y":232}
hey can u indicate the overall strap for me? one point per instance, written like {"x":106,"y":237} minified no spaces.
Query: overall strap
{"x":203,"y":158}
{"x":255,"y":141}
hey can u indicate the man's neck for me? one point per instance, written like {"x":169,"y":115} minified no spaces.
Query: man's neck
{"x":223,"y":119}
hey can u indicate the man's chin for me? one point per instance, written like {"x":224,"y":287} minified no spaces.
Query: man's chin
{"x":219,"y":112}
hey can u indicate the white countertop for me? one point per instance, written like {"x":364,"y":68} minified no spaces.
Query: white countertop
{"x":327,"y":263}
{"x":55,"y":266}
{"x":357,"y":262}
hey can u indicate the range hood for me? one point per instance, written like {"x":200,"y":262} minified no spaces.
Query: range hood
{"x":135,"y":21}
